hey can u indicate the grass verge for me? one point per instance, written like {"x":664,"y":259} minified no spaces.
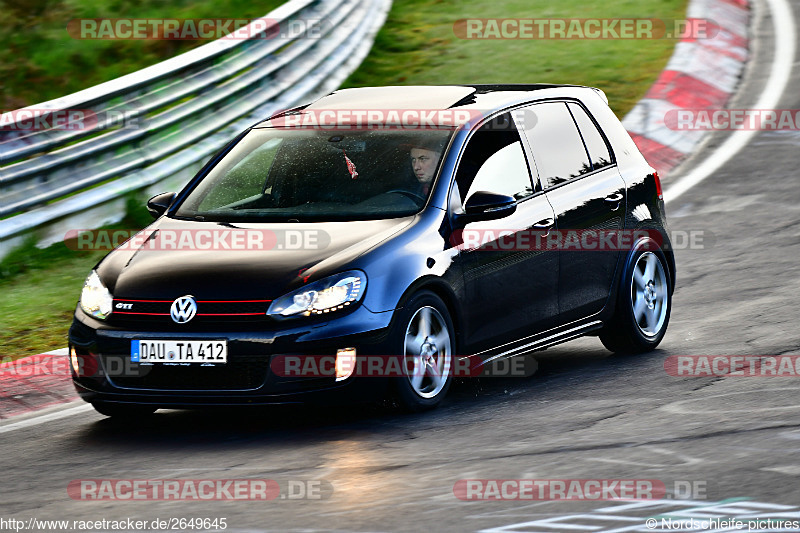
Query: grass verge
{"x":418,"y":45}
{"x":39,"y":61}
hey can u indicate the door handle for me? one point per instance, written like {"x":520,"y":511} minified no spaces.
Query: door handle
{"x":614,"y":198}
{"x":544,"y":226}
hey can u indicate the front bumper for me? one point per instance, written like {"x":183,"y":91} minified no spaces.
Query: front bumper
{"x":107,"y":374}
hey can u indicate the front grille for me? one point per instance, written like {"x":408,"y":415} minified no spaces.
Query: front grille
{"x":230,"y":376}
{"x":131,"y":311}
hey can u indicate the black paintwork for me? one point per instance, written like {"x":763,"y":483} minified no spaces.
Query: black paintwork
{"x":499,"y":300}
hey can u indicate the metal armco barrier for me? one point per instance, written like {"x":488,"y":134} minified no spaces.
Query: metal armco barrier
{"x":153,"y":129}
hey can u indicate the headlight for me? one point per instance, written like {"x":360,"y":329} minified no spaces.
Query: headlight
{"x":96,"y":301}
{"x":323,"y":296}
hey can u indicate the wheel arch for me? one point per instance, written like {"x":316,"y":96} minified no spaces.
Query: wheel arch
{"x":443,"y":290}
{"x":664,"y":243}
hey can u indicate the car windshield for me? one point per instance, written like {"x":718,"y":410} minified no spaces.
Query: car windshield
{"x":315,"y":175}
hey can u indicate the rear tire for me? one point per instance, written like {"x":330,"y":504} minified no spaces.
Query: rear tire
{"x":644,"y":302}
{"x":424,"y":335}
{"x":120,"y":411}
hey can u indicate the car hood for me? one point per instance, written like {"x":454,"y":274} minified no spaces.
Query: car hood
{"x":238,"y":261}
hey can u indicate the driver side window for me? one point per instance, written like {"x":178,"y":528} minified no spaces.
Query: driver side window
{"x":494,"y":161}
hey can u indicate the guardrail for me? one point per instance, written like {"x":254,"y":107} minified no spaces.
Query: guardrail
{"x":185,"y":108}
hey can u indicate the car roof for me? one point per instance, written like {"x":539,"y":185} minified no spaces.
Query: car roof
{"x":476,"y":97}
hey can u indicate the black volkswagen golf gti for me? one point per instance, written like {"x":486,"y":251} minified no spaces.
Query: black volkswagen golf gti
{"x":443,"y":228}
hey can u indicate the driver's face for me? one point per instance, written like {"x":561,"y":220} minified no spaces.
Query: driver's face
{"x":424,"y":162}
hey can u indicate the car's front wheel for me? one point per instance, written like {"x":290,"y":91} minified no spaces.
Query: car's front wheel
{"x":644,"y":302}
{"x":424,"y":334}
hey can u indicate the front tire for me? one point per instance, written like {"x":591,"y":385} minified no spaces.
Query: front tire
{"x":424,"y":335}
{"x":644,"y":302}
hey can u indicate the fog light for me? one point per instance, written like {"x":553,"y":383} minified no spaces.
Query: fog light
{"x":73,"y":357}
{"x":345,"y":363}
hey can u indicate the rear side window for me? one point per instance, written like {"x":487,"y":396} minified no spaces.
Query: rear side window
{"x":595,"y":144}
{"x":556,"y":144}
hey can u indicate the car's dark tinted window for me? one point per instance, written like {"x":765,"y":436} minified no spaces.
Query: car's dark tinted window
{"x":598,"y":150}
{"x":556,"y":144}
{"x":494,"y":161}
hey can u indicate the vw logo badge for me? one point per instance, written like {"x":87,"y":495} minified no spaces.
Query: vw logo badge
{"x":183,"y":309}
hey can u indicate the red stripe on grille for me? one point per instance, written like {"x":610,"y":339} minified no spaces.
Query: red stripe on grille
{"x":228,"y":314}
{"x":198,"y":314}
{"x":128,"y":313}
{"x":230,"y":301}
{"x":152,"y":301}
{"x":198,"y":301}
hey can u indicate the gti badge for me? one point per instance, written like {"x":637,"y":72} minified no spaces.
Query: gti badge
{"x":183,"y":309}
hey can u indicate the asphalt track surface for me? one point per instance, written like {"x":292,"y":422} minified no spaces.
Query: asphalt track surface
{"x":585,"y":414}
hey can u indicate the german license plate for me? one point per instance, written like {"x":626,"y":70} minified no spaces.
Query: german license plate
{"x":178,"y":351}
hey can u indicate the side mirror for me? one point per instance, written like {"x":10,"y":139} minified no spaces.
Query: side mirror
{"x":158,"y":204}
{"x":484,"y":205}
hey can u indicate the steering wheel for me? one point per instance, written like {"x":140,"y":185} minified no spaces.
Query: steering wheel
{"x":408,"y":194}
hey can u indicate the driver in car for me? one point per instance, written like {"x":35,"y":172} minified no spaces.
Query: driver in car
{"x":424,"y":158}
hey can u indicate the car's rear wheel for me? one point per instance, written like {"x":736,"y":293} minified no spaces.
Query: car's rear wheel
{"x":424,"y":334}
{"x":643,"y":305}
{"x":119,"y":410}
